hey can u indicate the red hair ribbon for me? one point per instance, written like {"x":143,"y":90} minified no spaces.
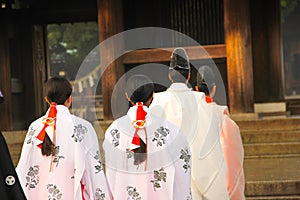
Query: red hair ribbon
{"x":209,"y":99}
{"x":139,"y":123}
{"x":48,"y":121}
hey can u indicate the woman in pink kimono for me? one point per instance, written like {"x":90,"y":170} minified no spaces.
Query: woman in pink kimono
{"x":230,"y":136}
{"x":60,"y":158}
{"x":146,"y":157}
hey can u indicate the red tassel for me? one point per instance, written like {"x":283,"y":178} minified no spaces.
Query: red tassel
{"x":136,"y":139}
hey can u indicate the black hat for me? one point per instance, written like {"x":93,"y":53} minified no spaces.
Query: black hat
{"x":179,"y":59}
{"x":206,"y":75}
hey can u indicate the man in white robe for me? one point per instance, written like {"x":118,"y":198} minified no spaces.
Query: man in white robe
{"x":75,"y":169}
{"x":188,"y":110}
{"x":164,"y":172}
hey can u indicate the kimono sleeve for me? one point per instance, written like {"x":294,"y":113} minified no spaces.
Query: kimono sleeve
{"x":27,"y":149}
{"x":183,"y":163}
{"x":94,"y":184}
{"x":234,"y":157}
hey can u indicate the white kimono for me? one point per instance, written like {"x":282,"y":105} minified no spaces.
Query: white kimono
{"x":188,"y":110}
{"x":77,"y":171}
{"x":166,"y":172}
{"x":233,"y":152}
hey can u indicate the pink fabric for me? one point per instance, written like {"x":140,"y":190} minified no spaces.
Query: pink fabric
{"x":234,"y":155}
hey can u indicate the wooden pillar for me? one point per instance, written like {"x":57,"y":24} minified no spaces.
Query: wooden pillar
{"x":266,"y":46}
{"x":239,"y":55}
{"x":5,"y":81}
{"x":110,"y":22}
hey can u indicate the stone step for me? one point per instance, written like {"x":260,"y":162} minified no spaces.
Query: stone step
{"x":272,"y":176}
{"x":261,"y":149}
{"x":288,"y":123}
{"x":263,"y":136}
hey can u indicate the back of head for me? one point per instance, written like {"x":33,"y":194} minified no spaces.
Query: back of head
{"x":205,"y":79}
{"x":179,"y":65}
{"x":139,"y":88}
{"x":58,"y":90}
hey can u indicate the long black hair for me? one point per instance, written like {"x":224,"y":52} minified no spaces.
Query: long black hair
{"x":140,"y":88}
{"x":58,"y":90}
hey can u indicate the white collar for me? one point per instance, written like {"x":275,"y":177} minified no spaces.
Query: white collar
{"x":179,"y":87}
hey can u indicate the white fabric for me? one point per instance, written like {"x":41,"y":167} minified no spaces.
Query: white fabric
{"x":189,"y":111}
{"x":166,"y":172}
{"x":233,"y":149}
{"x":77,"y":162}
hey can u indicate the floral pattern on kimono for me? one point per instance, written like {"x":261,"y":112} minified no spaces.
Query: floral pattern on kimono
{"x":32,"y":178}
{"x":159,"y":177}
{"x":79,"y":132}
{"x":54,"y":192}
{"x":30,"y":135}
{"x":160,"y":136}
{"x":99,"y":166}
{"x":133,"y":193}
{"x":99,"y":195}
{"x":186,"y":157}
{"x":116,"y":137}
{"x":57,"y":157}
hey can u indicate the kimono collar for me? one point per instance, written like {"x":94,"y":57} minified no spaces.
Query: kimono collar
{"x":179,"y":87}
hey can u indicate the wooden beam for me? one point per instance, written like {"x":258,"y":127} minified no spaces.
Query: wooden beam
{"x":239,"y":55}
{"x":163,"y":54}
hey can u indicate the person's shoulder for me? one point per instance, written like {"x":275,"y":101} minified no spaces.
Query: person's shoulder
{"x":37,"y":121}
{"x":222,"y":109}
{"x":160,"y":94}
{"x":79,"y":120}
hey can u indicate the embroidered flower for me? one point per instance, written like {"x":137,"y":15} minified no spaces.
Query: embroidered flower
{"x":159,"y":176}
{"x":79,"y":132}
{"x":189,"y":197}
{"x":99,"y":195}
{"x":57,"y":157}
{"x":132,"y":193}
{"x":30,"y":135}
{"x":116,"y":136}
{"x":160,"y":136}
{"x":186,"y":157}
{"x":129,"y":153}
{"x":54,"y":192}
{"x":32,"y":178}
{"x":98,"y":167}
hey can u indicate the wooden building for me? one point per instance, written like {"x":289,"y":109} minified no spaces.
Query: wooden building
{"x":242,"y":36}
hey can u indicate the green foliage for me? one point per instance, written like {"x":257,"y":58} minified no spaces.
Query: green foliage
{"x":69,"y":44}
{"x":287,"y":7}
